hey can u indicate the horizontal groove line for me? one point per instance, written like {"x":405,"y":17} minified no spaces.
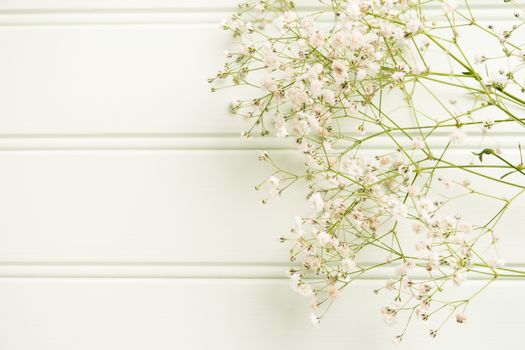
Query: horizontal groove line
{"x":211,"y":6}
{"x":165,"y":16}
{"x":218,"y":142}
{"x":44,"y":135}
{"x":115,"y":10}
{"x":176,"y":271}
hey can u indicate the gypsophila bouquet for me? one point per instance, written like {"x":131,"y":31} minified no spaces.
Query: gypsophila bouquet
{"x":393,"y":104}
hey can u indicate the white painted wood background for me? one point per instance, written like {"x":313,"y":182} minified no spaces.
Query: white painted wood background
{"x":127,"y":215}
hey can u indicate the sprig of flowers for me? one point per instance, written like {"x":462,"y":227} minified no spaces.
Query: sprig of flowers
{"x":350,"y":74}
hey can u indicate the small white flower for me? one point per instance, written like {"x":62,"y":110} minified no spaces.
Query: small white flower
{"x":417,"y":227}
{"x":418,"y":143}
{"x":271,"y":61}
{"x":355,"y":167}
{"x":301,"y":126}
{"x":423,"y":246}
{"x":447,"y":183}
{"x":317,"y":39}
{"x":405,"y":170}
{"x":274,"y":192}
{"x":385,"y":160}
{"x":274,"y":181}
{"x":327,"y":146}
{"x":462,"y":318}
{"x":339,"y":41}
{"x":419,"y":69}
{"x":308,"y":25}
{"x":397,"y":339}
{"x":361,"y":73}
{"x":390,"y":285}
{"x":488,"y":124}
{"x":324,"y":238}
{"x":295,"y":277}
{"x":249,"y":27}
{"x":304,"y":289}
{"x":225,"y":24}
{"x":340,"y":69}
{"x":288,"y":18}
{"x":353,"y":11}
{"x":449,"y":6}
{"x":314,"y":320}
{"x":333,"y":292}
{"x":314,"y":71}
{"x":458,"y":278}
{"x":370,"y":179}
{"x":414,"y":25}
{"x":313,"y":262}
{"x":356,"y":38}
{"x":413,"y":191}
{"x":360,"y":130}
{"x":280,"y":125}
{"x":403,"y":269}
{"x":235,"y":105}
{"x":398,"y":76}
{"x":479,"y":59}
{"x":373,"y":68}
{"x":316,"y":200}
{"x":259,"y":7}
{"x":389,"y":315}
{"x":329,"y":96}
{"x":297,"y":95}
{"x":316,"y":87}
{"x":458,"y":136}
{"x":387,"y":29}
{"x":497,"y":263}
{"x":347,"y":264}
{"x":466,"y":227}
{"x":281,"y":131}
{"x":270,"y":84}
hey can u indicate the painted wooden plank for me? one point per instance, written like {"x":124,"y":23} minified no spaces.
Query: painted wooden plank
{"x":168,"y":206}
{"x":132,"y":73}
{"x":231,"y":314}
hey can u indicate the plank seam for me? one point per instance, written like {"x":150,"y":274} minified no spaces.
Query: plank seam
{"x":177,"y":271}
{"x":55,"y":17}
{"x":216,"y":142}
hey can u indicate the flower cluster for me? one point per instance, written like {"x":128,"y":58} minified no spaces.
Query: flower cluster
{"x":363,"y":88}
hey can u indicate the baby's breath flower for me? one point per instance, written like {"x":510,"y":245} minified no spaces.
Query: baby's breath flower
{"x":324,"y":238}
{"x":449,"y":6}
{"x":462,"y":318}
{"x":414,"y":25}
{"x":340,"y":69}
{"x":389,"y":315}
{"x":347,"y":264}
{"x":418,"y":143}
{"x":314,"y":320}
{"x":317,"y":202}
{"x":497,"y":263}
{"x":458,"y":278}
{"x":333,"y":292}
{"x":458,"y":136}
{"x":398,"y":76}
{"x":367,"y":103}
